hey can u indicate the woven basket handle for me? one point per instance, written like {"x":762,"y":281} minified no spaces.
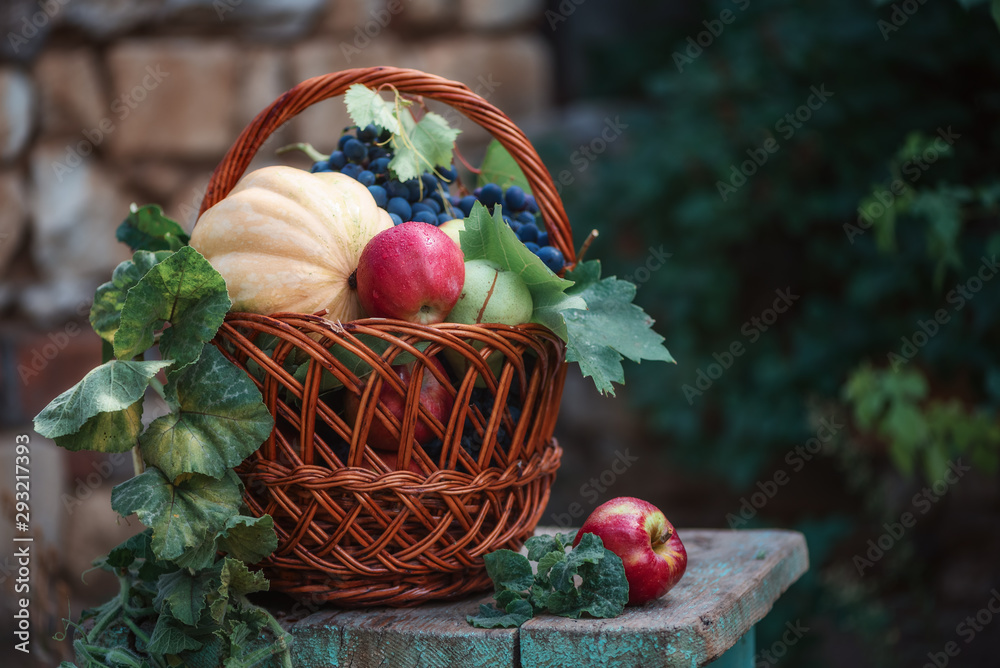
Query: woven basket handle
{"x":414,"y":82}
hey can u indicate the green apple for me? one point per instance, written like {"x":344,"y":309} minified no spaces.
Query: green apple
{"x":453,"y":228}
{"x":491,"y":294}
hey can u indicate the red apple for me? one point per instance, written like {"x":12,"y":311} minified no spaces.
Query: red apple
{"x":639,"y":533}
{"x":433,"y":396}
{"x":411,"y":272}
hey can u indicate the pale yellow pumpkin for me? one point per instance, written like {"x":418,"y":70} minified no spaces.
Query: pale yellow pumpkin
{"x":288,"y":240}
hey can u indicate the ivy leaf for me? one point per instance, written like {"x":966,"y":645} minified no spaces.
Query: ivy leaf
{"x":181,"y":515}
{"x":148,"y":229}
{"x":183,"y":594}
{"x":487,"y":237}
{"x":105,"y":312}
{"x":169,"y":637}
{"x":184,"y":290}
{"x":217,"y":419}
{"x":610,"y":328}
{"x":116,"y":431}
{"x":422,"y":146}
{"x":509,"y":570}
{"x":248,"y":539}
{"x":365,"y":106}
{"x":499,"y":167}
{"x":113,"y":386}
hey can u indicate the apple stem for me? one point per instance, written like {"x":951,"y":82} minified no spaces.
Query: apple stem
{"x":663,"y":537}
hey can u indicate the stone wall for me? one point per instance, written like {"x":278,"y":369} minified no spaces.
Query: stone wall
{"x":108,"y":102}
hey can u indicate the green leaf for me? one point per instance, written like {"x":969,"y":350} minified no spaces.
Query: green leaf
{"x":545,"y":564}
{"x":590,"y":550}
{"x":239,"y":580}
{"x":181,"y":515}
{"x":148,"y":229}
{"x":138,"y":546}
{"x":117,"y":431}
{"x":169,"y":637}
{"x":604,"y":591}
{"x":488,"y":237}
{"x":248,"y":539}
{"x":422,"y":146}
{"x":184,"y":290}
{"x":113,"y":386}
{"x":490,"y":617}
{"x":183,"y":594}
{"x":105,"y":313}
{"x":509,"y":570}
{"x":611,"y":328}
{"x":540,"y":545}
{"x":218,"y":419}
{"x":499,"y":167}
{"x":365,"y":106}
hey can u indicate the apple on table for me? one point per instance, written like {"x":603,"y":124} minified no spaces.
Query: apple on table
{"x":647,"y":543}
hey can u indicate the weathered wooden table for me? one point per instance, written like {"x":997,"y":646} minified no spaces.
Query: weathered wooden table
{"x":733,"y":579}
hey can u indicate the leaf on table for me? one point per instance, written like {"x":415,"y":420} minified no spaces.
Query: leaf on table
{"x":218,"y":419}
{"x":540,"y":545}
{"x":590,"y":550}
{"x":499,"y":167}
{"x":612,"y":327}
{"x":105,"y":312}
{"x":604,"y":590}
{"x":420,"y":147}
{"x":491,"y":617}
{"x":169,"y":637}
{"x":147,"y":228}
{"x":509,"y":570}
{"x":114,"y":386}
{"x":545,"y":564}
{"x":181,"y":515}
{"x":365,"y":106}
{"x":184,"y":290}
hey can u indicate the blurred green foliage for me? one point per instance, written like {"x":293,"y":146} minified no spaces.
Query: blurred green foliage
{"x":842,"y":150}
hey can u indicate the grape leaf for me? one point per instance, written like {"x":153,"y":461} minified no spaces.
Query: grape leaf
{"x":499,"y":167}
{"x":114,"y":386}
{"x":217,"y":419}
{"x":610,"y":328}
{"x":419,"y":147}
{"x":105,"y":312}
{"x":488,"y":237}
{"x":365,"y":106}
{"x":184,"y":290}
{"x":182,"y":514}
{"x":148,"y":229}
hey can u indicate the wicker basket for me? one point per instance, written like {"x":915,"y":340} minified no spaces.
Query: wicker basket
{"x":353,"y":530}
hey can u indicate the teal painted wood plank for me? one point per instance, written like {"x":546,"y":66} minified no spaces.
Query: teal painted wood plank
{"x":429,"y":636}
{"x":733,"y":579}
{"x":739,"y":655}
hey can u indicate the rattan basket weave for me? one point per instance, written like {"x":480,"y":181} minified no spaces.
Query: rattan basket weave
{"x":353,"y":530}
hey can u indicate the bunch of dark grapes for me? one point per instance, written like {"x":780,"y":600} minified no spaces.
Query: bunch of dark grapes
{"x":362,"y":154}
{"x":520,"y":211}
